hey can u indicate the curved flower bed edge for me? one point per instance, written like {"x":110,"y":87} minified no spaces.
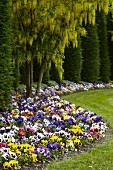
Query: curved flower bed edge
{"x":43,"y":127}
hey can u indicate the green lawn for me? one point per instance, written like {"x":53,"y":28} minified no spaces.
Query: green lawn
{"x":100,"y":157}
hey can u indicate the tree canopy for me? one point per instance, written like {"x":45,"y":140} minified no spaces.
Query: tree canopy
{"x":45,"y":28}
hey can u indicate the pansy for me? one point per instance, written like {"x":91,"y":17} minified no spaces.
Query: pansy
{"x":18,"y":153}
{"x":70,"y":144}
{"x":12,"y":155}
{"x":6,"y":165}
{"x":13,"y":164}
{"x":34,"y":157}
{"x":91,"y":139}
{"x":19,"y":119}
{"x":12,"y":133}
{"x":7,"y":129}
{"x":54,"y":138}
{"x":47,"y":153}
{"x":53,"y":146}
{"x":4,"y":150}
{"x":44,"y":142}
{"x":5,"y":137}
{"x":47,"y":133}
{"x":2,"y":119}
{"x":77,"y":143}
{"x":2,"y":130}
{"x":86,"y":127}
{"x":40,"y":150}
{"x":5,"y":156}
{"x":1,"y":138}
{"x":43,"y":125}
{"x":21,"y":132}
{"x":39,"y":136}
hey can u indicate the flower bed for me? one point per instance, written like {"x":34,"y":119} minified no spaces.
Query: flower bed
{"x":43,"y":127}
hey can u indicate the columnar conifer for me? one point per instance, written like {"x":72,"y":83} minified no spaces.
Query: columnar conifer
{"x":110,"y":42}
{"x":103,"y":46}
{"x":5,"y":54}
{"x":91,"y":62}
{"x":73,"y":62}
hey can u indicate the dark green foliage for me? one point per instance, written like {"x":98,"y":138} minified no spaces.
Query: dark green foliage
{"x":110,"y":43}
{"x":16,"y":74}
{"x":73,"y":63}
{"x":91,"y":62}
{"x":36,"y":71}
{"x":22,"y":69}
{"x":46,"y":77}
{"x":103,"y":46}
{"x":54,"y":75}
{"x":5,"y":54}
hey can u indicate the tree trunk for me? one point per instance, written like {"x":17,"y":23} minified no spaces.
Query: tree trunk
{"x":28,"y":79}
{"x":40,"y":78}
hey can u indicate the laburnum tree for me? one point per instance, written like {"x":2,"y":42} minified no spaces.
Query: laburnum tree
{"x":45,"y":28}
{"x":6,"y":78}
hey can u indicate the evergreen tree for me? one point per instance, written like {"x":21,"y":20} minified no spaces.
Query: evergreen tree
{"x":54,"y":75}
{"x":91,"y":62}
{"x":46,"y":76}
{"x":5,"y":54}
{"x":22,"y":69}
{"x":16,"y":74}
{"x":110,"y":43}
{"x":73,"y":62}
{"x":36,"y":71}
{"x":103,"y":46}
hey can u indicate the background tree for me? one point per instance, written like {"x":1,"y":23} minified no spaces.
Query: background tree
{"x":73,"y":62}
{"x":103,"y":46}
{"x":91,"y":61}
{"x":16,"y":70}
{"x":54,"y":75}
{"x":110,"y":42}
{"x":5,"y":54}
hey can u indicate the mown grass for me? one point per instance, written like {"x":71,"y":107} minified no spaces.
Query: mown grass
{"x":100,"y":157}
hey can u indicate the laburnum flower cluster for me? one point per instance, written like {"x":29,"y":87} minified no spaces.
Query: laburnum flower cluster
{"x":45,"y":126}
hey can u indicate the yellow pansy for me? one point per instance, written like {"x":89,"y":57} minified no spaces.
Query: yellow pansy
{"x":77,"y":142}
{"x":91,"y":139}
{"x":44,"y":142}
{"x":18,"y":153}
{"x":66,"y":117}
{"x":6,"y":165}
{"x":59,"y":140}
{"x":54,"y":138}
{"x":13,"y":164}
{"x":34,"y":157}
{"x":14,"y":113}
